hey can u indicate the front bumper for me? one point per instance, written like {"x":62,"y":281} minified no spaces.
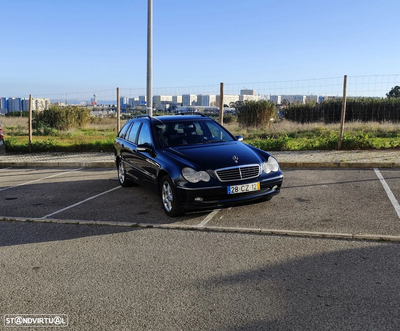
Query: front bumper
{"x":217,"y":196}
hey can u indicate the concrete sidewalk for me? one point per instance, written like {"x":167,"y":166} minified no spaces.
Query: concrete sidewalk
{"x":303,"y":159}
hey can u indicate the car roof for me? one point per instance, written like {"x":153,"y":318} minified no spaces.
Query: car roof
{"x":170,"y":118}
{"x":174,"y":118}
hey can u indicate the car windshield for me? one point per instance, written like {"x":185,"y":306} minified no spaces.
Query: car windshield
{"x":181,"y":133}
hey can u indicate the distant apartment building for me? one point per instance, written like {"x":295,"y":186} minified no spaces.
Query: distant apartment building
{"x":162,"y":102}
{"x":25,"y":104}
{"x":315,"y":98}
{"x":189,"y":100}
{"x":248,"y":97}
{"x":294,"y":98}
{"x":3,"y":106}
{"x":277,"y":99}
{"x":14,"y":104}
{"x":228,"y":98}
{"x":248,"y":92}
{"x":133,"y":102}
{"x":40,"y":104}
{"x":142,"y":100}
{"x":206,"y":100}
{"x":123,"y":102}
{"x":177,"y":100}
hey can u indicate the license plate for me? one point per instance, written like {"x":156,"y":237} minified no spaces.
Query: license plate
{"x":234,"y":189}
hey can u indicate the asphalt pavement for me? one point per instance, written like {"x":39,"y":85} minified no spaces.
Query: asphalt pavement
{"x":286,"y":159}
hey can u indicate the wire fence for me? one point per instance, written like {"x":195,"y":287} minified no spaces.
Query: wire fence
{"x":282,"y":93}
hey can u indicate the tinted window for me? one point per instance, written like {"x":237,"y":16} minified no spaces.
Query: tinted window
{"x":145,"y":135}
{"x":133,"y":133}
{"x":191,"y":133}
{"x":124,"y":130}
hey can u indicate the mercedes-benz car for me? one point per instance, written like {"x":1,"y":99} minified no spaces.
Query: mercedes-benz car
{"x":193,"y":163}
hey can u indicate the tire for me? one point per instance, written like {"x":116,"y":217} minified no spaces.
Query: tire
{"x":123,"y":181}
{"x":169,"y":198}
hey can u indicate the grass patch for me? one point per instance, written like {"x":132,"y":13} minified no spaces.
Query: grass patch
{"x":285,"y":135}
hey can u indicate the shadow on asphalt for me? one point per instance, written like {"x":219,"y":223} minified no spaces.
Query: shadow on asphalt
{"x":20,"y":233}
{"x":355,"y":289}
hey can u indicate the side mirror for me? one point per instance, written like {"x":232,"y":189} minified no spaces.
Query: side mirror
{"x":239,"y":138}
{"x":146,"y":148}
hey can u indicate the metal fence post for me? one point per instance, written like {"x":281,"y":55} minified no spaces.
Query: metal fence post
{"x":118,"y":111}
{"x":30,"y":123}
{"x":221,"y":104}
{"x":343,"y":115}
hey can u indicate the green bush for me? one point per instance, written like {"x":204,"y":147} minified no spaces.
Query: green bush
{"x":362,"y":109}
{"x":60,"y":118}
{"x":255,"y":113}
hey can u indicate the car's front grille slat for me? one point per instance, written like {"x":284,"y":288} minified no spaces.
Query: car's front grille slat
{"x":238,"y":173}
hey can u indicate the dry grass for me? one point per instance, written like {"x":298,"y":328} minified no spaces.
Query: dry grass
{"x":19,"y":125}
{"x":14,"y":121}
{"x":285,"y":126}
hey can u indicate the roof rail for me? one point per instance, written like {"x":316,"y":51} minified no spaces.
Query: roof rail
{"x":191,"y":113}
{"x":139,"y":116}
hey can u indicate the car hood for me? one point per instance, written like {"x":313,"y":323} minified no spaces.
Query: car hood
{"x":215,"y":156}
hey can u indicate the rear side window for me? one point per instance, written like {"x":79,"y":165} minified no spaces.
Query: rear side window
{"x":145,"y":135}
{"x":133,"y":132}
{"x":124,"y":130}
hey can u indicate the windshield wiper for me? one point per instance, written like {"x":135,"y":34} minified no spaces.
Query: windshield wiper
{"x":214,"y":141}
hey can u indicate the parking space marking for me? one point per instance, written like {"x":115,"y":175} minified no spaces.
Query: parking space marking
{"x":38,"y":180}
{"x":208,"y":218}
{"x":388,"y":191}
{"x":5,"y":168}
{"x":83,"y":201}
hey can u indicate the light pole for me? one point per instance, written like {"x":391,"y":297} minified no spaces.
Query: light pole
{"x":149,"y":92}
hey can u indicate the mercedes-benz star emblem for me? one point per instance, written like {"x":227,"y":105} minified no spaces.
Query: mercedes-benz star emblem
{"x":235,"y":159}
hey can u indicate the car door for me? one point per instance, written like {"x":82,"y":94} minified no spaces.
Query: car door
{"x":128,"y":150}
{"x":146,"y":158}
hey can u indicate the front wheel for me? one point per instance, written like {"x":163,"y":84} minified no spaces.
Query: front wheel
{"x":169,"y":197}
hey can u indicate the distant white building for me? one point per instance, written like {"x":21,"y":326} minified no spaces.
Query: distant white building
{"x":249,"y":97}
{"x":177,"y":99}
{"x":294,"y":98}
{"x":228,"y":98}
{"x":189,"y":100}
{"x":206,"y":100}
{"x":316,"y":98}
{"x":161,"y":102}
{"x":248,"y":92}
{"x":40,"y":104}
{"x":277,"y":99}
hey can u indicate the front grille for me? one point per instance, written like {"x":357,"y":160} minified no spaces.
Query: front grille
{"x":238,"y":173}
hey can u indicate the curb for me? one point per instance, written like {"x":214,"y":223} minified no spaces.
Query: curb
{"x":339,"y":164}
{"x":38,"y":164}
{"x":259,"y":231}
{"x":283,"y":165}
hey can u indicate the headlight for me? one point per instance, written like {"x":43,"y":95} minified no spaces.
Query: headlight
{"x":271,"y":165}
{"x":194,"y":176}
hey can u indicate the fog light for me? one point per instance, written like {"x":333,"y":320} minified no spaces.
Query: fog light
{"x":275,"y":188}
{"x":198,"y":199}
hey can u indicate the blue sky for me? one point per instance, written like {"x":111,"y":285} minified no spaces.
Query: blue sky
{"x":54,"y":46}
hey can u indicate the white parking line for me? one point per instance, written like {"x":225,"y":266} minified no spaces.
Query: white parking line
{"x":83,"y":201}
{"x":208,"y":218}
{"x":38,"y":180}
{"x":5,"y":168}
{"x":388,"y":191}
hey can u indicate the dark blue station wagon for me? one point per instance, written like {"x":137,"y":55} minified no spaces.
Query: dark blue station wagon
{"x":193,"y":163}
